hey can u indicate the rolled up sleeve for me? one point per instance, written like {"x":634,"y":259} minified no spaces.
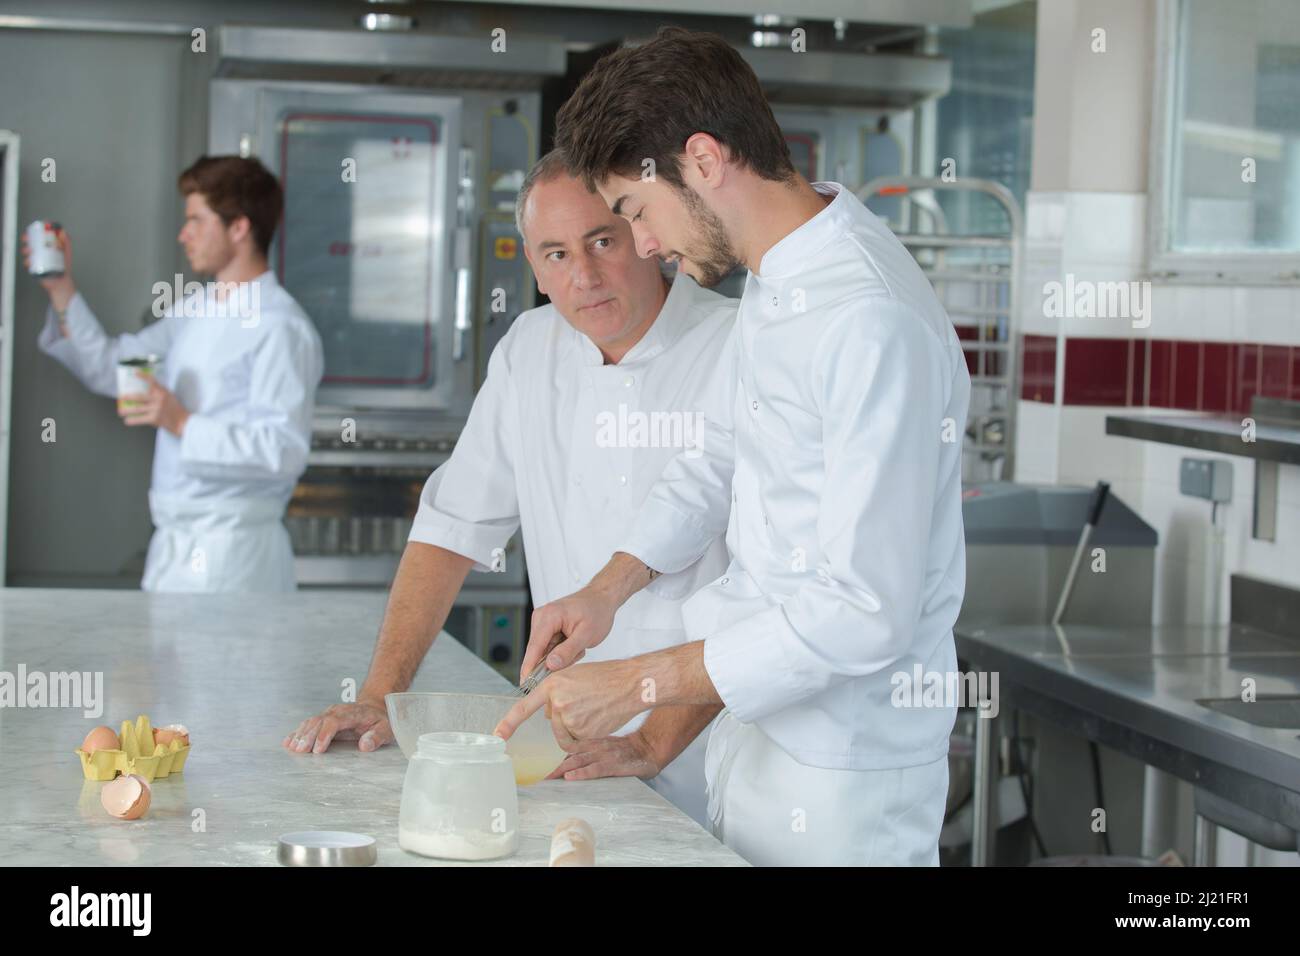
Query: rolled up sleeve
{"x":882,"y":384}
{"x":470,"y":504}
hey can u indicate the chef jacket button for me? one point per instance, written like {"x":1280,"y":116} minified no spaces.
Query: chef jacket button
{"x":627,"y":382}
{"x":754,"y":406}
{"x":775,"y":300}
{"x":577,"y":577}
{"x":622,"y":479}
{"x":724,"y":580}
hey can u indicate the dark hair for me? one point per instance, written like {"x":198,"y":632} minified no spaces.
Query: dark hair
{"x":645,"y":102}
{"x":235,"y":186}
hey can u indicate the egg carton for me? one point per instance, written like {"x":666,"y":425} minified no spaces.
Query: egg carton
{"x":150,"y":761}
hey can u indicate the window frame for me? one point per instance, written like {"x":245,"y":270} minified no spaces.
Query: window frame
{"x":1244,"y":268}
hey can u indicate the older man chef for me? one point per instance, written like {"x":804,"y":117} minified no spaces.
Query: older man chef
{"x":233,"y":400}
{"x":837,"y":476}
{"x":586,"y":400}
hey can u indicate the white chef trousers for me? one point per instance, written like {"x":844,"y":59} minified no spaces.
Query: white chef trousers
{"x":681,"y":783}
{"x":223,"y":545}
{"x":775,"y":811}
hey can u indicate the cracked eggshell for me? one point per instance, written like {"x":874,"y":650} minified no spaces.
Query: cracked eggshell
{"x":127,"y":797}
{"x":165,"y":735}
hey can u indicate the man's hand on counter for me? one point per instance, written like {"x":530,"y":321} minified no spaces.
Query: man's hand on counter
{"x":629,"y":756}
{"x":644,"y":752}
{"x":365,"y":722}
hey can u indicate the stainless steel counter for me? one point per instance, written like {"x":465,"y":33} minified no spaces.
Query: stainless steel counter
{"x":1138,"y":690}
{"x":241,"y":671}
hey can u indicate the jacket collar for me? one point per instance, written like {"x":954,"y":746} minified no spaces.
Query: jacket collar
{"x":793,"y":253}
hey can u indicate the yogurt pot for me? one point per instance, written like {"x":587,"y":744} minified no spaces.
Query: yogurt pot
{"x":458,"y":799}
{"x":131,"y":386}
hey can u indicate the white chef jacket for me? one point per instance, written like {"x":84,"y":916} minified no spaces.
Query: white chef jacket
{"x":840,"y":496}
{"x":538,"y":449}
{"x":248,"y":379}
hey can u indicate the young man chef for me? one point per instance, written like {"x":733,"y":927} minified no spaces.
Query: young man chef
{"x":233,"y":399}
{"x":837,"y":479}
{"x":586,"y":400}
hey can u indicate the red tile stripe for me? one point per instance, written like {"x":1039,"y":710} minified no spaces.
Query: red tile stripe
{"x":1160,"y":373}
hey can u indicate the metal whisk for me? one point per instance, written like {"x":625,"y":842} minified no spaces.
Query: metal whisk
{"x":532,"y":680}
{"x":538,"y":675}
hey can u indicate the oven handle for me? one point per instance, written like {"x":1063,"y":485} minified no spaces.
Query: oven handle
{"x":463,"y":254}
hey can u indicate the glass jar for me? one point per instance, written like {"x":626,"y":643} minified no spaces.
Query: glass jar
{"x":458,"y":799}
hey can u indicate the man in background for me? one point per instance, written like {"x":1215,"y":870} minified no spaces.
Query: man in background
{"x":232,"y":398}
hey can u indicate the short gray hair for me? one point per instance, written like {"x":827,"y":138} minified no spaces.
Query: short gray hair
{"x":550,"y":166}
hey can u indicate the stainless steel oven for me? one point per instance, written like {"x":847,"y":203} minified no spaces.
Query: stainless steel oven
{"x":400,"y":155}
{"x":394,"y":235}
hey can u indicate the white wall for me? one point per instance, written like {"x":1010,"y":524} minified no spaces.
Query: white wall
{"x":109,"y":111}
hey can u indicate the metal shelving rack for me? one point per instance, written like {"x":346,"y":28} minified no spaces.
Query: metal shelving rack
{"x":977,"y":278}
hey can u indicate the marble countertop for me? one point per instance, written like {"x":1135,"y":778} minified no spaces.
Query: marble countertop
{"x":241,"y":671}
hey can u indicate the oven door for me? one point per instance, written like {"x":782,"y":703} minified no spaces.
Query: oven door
{"x":370,"y":241}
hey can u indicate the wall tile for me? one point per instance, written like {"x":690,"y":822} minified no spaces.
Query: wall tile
{"x":1187,"y":374}
{"x":1137,"y":372}
{"x":1045,"y":215}
{"x":1037,"y":441}
{"x":1266,"y":314}
{"x":1216,"y":380}
{"x":1038,"y":369}
{"x":1249,"y":377}
{"x":1160,"y":385}
{"x":1275,"y":370}
{"x":1105,"y":226}
{"x":1096,"y":371}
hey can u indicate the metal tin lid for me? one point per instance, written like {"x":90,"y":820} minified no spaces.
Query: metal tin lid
{"x":327,"y":848}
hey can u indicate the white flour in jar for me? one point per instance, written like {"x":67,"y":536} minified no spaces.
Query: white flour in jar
{"x":459,"y":846}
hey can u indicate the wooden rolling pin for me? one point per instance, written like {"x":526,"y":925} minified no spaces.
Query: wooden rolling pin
{"x":573,"y":844}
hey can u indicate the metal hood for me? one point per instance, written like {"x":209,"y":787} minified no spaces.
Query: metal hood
{"x":874,"y":80}
{"x":844,"y":77}
{"x":389,"y":58}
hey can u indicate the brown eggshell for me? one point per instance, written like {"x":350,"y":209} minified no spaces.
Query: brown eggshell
{"x":127,"y":797}
{"x":165,"y":735}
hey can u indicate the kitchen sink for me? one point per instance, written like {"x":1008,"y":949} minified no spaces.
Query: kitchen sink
{"x":1280,"y":711}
